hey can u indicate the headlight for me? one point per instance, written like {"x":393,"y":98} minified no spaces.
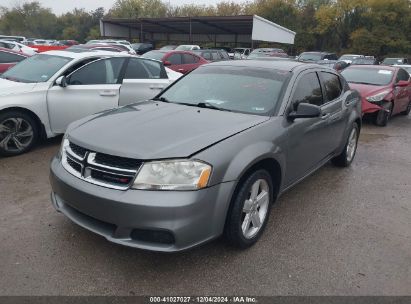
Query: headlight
{"x":64,"y":143}
{"x":173,"y":175}
{"x":377,"y":97}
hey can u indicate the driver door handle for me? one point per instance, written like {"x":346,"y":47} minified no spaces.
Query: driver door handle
{"x":325,"y":116}
{"x":108,"y":93}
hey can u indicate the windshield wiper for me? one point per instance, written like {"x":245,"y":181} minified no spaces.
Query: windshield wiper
{"x":163,"y":99}
{"x":359,"y":82}
{"x":209,"y":105}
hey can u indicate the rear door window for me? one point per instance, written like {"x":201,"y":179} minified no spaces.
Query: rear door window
{"x":144,"y":69}
{"x":190,"y":59}
{"x":332,"y":85}
{"x":308,"y":90}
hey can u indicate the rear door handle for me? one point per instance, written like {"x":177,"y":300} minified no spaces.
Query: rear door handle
{"x":108,"y":93}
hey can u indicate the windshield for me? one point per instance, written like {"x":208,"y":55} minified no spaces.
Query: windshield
{"x":153,"y":55}
{"x":377,"y":77}
{"x":408,"y":69}
{"x":237,"y":89}
{"x":309,"y":57}
{"x":39,"y":68}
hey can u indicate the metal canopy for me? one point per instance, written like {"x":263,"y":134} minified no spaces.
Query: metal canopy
{"x":232,"y":29}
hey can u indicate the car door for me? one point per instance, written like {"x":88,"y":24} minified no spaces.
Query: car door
{"x":190,"y":62}
{"x":92,"y":88}
{"x":307,"y":138}
{"x":143,"y":79}
{"x":401,"y":94}
{"x":334,"y":110}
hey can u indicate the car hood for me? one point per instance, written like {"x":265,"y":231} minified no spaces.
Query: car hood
{"x":8,"y":87}
{"x":368,"y":90}
{"x":151,"y":130}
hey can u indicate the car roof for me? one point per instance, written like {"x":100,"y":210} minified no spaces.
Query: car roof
{"x":75,"y":55}
{"x":315,"y":52}
{"x":284,"y":65}
{"x":374,"y":67}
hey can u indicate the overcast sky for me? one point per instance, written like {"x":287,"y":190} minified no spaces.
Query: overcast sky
{"x":62,"y":6}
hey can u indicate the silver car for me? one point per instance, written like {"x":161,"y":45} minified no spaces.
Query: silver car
{"x":207,"y":157}
{"x":42,"y":95}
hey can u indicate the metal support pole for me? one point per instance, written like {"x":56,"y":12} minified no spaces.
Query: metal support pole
{"x":141,"y":32}
{"x":190,"y":38}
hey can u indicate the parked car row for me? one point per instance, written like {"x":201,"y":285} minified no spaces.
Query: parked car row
{"x":153,"y":160}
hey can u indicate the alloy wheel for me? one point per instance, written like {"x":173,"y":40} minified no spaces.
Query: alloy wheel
{"x":255,"y":208}
{"x":16,"y":134}
{"x":352,"y":144}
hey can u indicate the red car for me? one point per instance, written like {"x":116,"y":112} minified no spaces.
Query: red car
{"x":385,"y":90}
{"x":179,"y":61}
{"x":9,"y":58}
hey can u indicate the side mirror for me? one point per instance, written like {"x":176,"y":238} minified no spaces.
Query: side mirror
{"x":305,"y":110}
{"x":402,"y":83}
{"x":62,"y":81}
{"x":167,"y":63}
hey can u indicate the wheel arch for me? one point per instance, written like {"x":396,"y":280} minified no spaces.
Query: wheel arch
{"x":33,"y":115}
{"x":271,"y":165}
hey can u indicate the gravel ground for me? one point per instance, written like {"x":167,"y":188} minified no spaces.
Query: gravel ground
{"x":340,"y":232}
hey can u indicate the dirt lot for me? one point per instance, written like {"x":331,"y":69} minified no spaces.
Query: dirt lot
{"x":340,"y":232}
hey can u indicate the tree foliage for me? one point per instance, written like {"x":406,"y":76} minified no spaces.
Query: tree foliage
{"x":375,"y":27}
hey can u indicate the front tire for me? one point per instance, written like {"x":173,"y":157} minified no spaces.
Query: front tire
{"x":408,"y":110}
{"x":18,"y":133}
{"x":384,"y":115}
{"x":347,"y":156}
{"x":249,"y":213}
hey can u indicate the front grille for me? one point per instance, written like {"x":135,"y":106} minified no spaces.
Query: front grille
{"x":118,"y":162}
{"x":76,"y":166}
{"x":80,"y":151}
{"x":111,"y":178}
{"x":98,"y":168}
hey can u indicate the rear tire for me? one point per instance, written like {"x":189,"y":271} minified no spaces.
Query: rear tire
{"x":347,"y":156}
{"x":249,"y":213}
{"x":19,"y":133}
{"x":383,"y":116}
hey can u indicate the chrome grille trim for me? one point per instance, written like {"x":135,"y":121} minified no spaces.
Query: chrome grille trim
{"x":88,"y":164}
{"x":91,"y":159}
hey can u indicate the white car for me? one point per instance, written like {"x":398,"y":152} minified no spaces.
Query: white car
{"x":18,"y":47}
{"x":187,"y":47}
{"x":41,"y":96}
{"x":348,"y":58}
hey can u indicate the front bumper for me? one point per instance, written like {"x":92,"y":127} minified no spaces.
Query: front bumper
{"x":190,"y":217}
{"x":369,"y":107}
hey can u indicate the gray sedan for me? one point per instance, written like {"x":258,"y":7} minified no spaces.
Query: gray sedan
{"x":207,"y":157}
